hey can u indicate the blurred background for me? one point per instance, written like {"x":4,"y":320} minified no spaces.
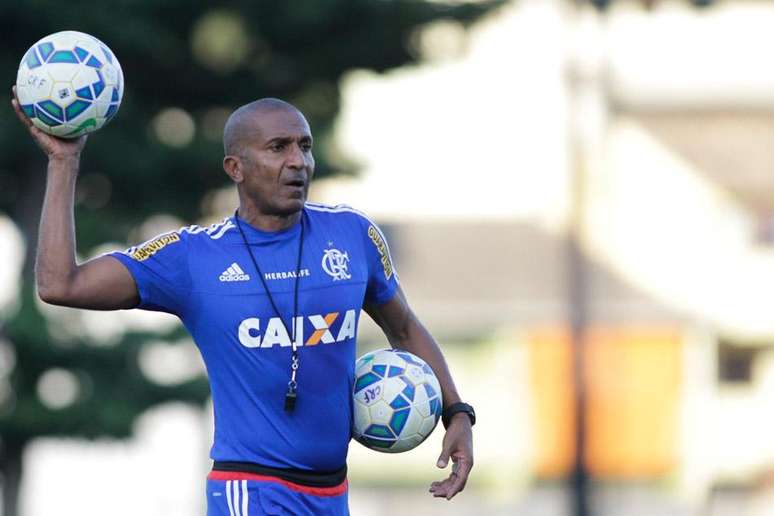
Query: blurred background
{"x":578,"y":198}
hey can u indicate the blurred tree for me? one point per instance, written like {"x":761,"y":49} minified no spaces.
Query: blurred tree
{"x":186,"y":65}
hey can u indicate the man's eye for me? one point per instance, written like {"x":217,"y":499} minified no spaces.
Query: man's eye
{"x":278,"y":147}
{"x":306,"y":147}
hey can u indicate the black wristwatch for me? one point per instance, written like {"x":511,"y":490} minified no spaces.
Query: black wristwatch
{"x":455,"y":408}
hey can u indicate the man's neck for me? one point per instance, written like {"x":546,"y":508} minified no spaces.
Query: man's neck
{"x":266,"y":222}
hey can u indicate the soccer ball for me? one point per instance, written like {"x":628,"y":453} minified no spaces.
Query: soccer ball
{"x":397,"y":400}
{"x":69,"y":83}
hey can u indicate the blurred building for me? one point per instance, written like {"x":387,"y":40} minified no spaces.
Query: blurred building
{"x":647,"y":132}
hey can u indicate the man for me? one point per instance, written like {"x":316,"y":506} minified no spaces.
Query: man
{"x":272,"y":297}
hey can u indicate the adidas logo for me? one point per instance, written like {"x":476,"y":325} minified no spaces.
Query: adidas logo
{"x":234,"y":273}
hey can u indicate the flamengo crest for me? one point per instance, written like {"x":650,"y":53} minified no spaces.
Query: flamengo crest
{"x":334,"y":262}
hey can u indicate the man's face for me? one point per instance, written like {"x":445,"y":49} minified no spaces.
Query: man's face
{"x":277,"y":162}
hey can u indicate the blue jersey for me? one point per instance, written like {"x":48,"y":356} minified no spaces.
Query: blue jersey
{"x":206,"y":277}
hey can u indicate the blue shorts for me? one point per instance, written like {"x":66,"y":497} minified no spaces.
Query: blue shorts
{"x":248,"y":494}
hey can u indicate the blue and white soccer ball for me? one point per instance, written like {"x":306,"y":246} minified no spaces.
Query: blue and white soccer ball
{"x":69,"y":83}
{"x":397,"y":400}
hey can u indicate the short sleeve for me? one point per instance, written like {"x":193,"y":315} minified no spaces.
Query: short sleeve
{"x":160,"y":270}
{"x":382,"y":277}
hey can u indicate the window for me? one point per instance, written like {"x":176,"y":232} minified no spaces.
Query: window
{"x":735,"y":361}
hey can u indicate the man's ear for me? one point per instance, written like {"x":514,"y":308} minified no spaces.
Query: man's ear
{"x":232,"y":165}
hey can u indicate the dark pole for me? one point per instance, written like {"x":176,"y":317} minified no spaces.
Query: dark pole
{"x":586,"y":106}
{"x":577,"y":293}
{"x":577,"y":301}
{"x":11,"y":471}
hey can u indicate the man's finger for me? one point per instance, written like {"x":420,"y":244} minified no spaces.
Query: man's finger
{"x":443,"y":459}
{"x":459,"y":477}
{"x":23,"y":117}
{"x":441,"y":492}
{"x":36,"y":133}
{"x":451,"y":485}
{"x":440,"y":489}
{"x":14,"y":96}
{"x":457,"y":485}
{"x":20,"y":114}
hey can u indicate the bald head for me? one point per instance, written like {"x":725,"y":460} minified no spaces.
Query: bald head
{"x":243,"y":123}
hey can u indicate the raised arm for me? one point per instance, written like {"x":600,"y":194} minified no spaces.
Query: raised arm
{"x":405,"y":331}
{"x":99,"y":284}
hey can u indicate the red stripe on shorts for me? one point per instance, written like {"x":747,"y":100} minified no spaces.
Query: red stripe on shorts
{"x":316,"y":491}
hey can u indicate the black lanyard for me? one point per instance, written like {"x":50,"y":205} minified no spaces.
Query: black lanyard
{"x":290,"y":396}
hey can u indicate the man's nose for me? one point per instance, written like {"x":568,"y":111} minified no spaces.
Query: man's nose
{"x":297,"y":158}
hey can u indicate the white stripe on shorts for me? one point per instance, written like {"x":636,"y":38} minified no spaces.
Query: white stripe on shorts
{"x":228,"y":498}
{"x":235,"y":484}
{"x":245,"y":497}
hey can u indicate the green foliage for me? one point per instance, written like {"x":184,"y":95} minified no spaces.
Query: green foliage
{"x":294,"y":50}
{"x":113,"y":389}
{"x":297,"y":51}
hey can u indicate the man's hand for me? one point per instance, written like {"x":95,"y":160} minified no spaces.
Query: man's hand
{"x":55,"y":148}
{"x":457,"y":445}
{"x":404,"y":331}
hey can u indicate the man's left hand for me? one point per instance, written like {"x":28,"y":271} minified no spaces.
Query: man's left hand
{"x":457,"y":446}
